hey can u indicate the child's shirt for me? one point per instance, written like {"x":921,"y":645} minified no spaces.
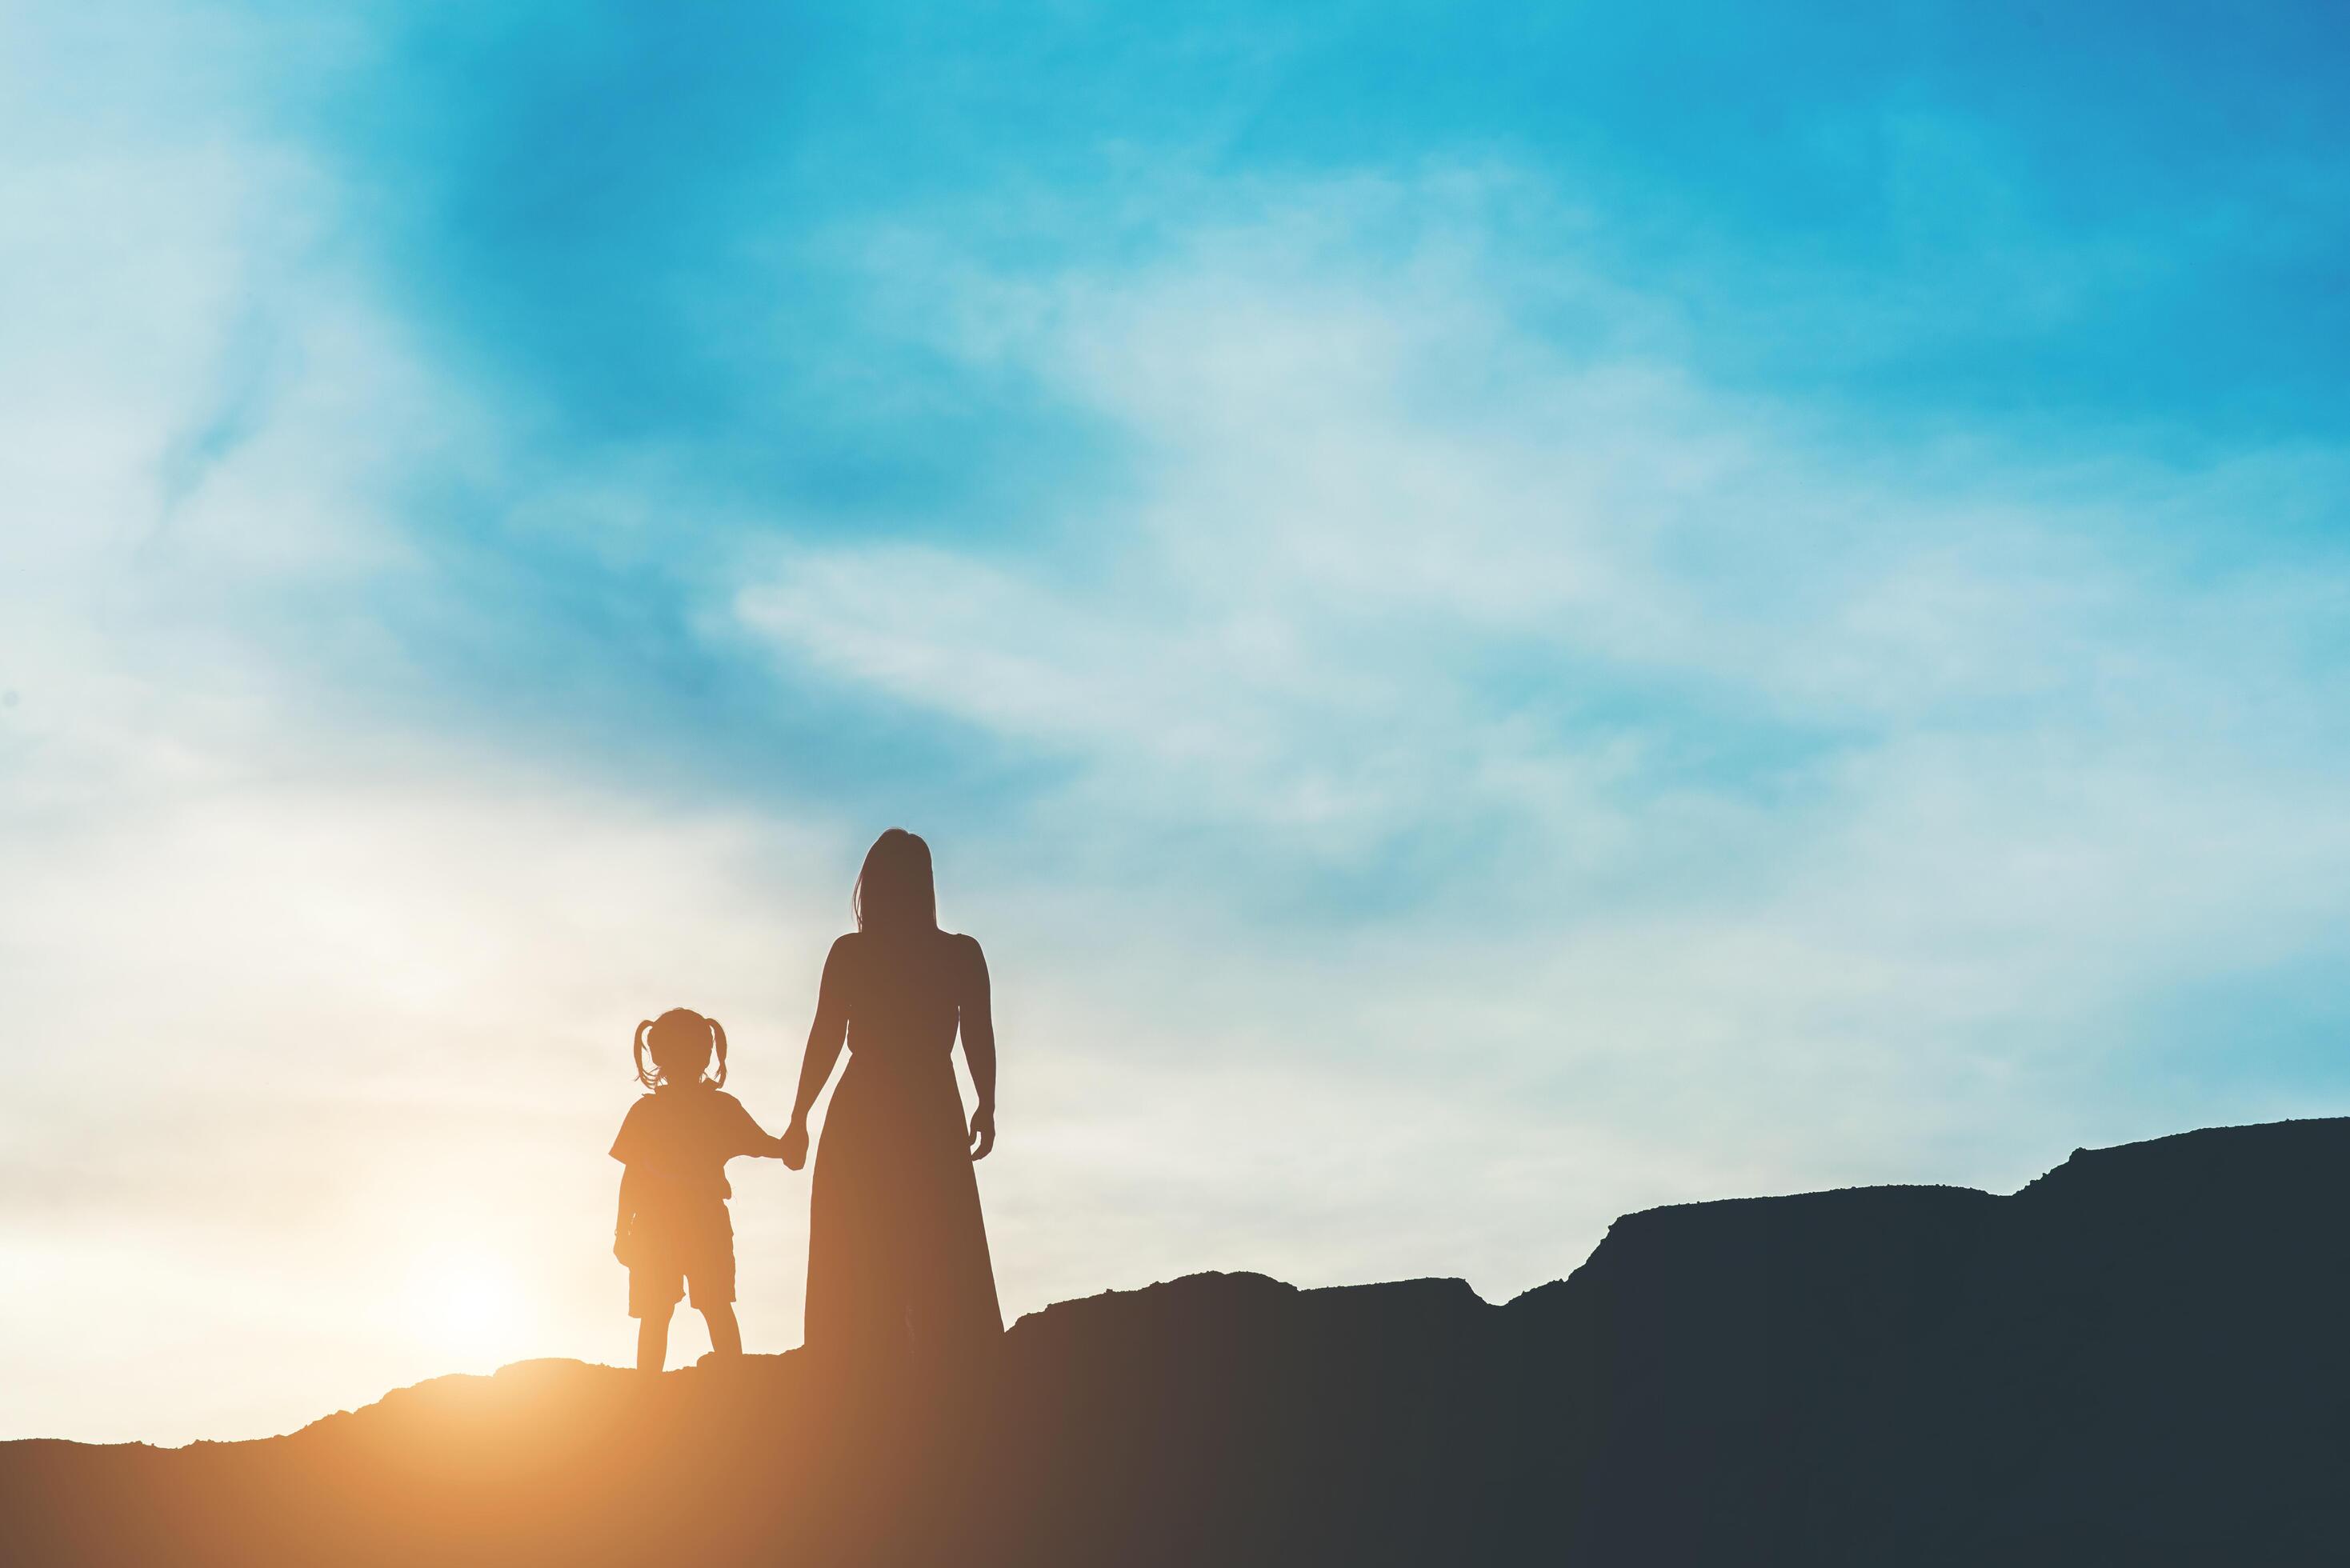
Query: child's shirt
{"x":684,"y":1133}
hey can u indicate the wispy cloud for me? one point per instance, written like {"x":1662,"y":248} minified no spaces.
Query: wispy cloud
{"x":1710,"y":754}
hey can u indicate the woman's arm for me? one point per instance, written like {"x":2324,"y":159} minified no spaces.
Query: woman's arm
{"x":979,"y":1051}
{"x":824,"y":1041}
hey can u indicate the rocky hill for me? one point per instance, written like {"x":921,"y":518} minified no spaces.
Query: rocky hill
{"x":2141,"y":1357}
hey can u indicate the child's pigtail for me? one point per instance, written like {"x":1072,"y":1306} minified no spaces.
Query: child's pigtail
{"x":718,"y":1038}
{"x":647,"y":1079}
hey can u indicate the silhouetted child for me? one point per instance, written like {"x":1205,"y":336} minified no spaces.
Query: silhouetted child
{"x":674,"y":1231}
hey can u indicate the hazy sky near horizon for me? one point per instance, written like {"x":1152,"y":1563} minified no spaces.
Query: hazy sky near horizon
{"x":1496,"y":618}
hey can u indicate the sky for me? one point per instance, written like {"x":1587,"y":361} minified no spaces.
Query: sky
{"x":1497,"y":616}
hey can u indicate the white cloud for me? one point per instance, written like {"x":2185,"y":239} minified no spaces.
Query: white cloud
{"x":1644,"y":766}
{"x":1499,"y":786}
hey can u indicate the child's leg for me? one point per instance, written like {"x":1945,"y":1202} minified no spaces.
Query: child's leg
{"x":713,"y":1280}
{"x":652,"y":1339}
{"x":725,"y":1334}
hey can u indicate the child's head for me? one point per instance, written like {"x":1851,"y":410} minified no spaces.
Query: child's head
{"x":680,"y":1042}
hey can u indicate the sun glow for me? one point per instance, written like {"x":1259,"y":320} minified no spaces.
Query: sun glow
{"x":465,"y":1305}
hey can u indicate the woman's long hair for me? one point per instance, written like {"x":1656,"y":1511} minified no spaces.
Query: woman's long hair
{"x":895,"y":891}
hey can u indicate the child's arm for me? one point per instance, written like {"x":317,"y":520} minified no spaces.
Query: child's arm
{"x":755,"y":1142}
{"x":826,"y":1037}
{"x":628,"y":1211}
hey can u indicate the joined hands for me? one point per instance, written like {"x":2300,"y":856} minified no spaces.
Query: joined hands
{"x":791,"y":1149}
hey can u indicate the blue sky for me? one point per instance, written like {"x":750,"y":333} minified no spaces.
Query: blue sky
{"x":1497,"y":617}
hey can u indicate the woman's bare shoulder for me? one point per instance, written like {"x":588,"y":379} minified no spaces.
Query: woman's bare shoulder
{"x":966,"y":948}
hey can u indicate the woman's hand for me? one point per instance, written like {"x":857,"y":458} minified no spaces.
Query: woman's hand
{"x":982,"y":1131}
{"x":794,"y":1151}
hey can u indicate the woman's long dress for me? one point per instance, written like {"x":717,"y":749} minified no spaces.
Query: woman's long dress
{"x":897,"y":1253}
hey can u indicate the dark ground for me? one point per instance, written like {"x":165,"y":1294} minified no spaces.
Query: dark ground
{"x":2140,"y":1358}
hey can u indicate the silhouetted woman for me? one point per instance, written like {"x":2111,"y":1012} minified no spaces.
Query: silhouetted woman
{"x":897,"y":1251}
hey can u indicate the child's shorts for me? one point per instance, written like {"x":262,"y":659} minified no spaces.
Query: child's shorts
{"x":695,"y":1250}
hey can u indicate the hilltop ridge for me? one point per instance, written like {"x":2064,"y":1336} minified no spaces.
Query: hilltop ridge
{"x":2139,"y":1357}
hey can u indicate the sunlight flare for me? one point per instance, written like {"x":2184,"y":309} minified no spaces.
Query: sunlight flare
{"x":465,"y":1305}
